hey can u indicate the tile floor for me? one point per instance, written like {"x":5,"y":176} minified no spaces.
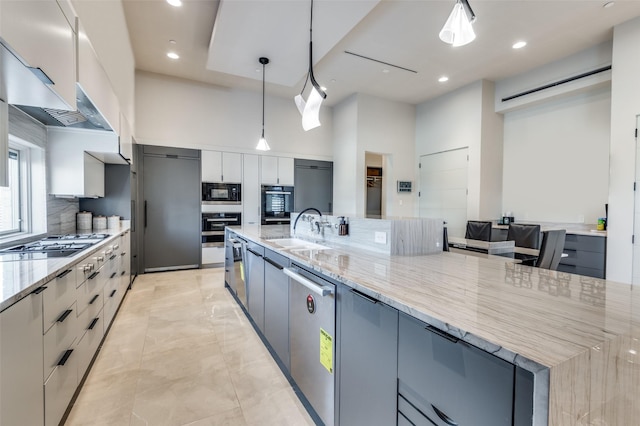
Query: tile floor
{"x":182,"y":352}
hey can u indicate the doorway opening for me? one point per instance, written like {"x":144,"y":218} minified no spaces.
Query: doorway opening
{"x":373,"y":185}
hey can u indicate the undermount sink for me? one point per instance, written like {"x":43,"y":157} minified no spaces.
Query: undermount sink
{"x":298,"y":244}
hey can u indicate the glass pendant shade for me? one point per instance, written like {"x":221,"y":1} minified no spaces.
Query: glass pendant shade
{"x":310,"y":109}
{"x":262,"y":144}
{"x":458,"y":30}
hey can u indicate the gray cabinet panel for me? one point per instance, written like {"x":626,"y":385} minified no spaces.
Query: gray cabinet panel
{"x":586,"y":255}
{"x":585,"y":243}
{"x":276,"y":305}
{"x":368,"y":360}
{"x":255,"y":286}
{"x":444,"y":377}
{"x":171,"y":213}
{"x":313,"y":182}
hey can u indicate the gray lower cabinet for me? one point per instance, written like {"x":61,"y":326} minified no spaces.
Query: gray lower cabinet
{"x":276,"y":305}
{"x":368,"y":360}
{"x":586,"y":255}
{"x":255,"y":285}
{"x":444,"y":381}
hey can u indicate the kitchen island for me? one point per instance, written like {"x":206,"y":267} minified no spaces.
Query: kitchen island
{"x":577,"y":335}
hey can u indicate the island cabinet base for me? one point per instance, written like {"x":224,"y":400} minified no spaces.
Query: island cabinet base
{"x":368,"y":359}
{"x":445,"y":381}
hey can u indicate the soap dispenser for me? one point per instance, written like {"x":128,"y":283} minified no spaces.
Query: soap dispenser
{"x":343,"y":226}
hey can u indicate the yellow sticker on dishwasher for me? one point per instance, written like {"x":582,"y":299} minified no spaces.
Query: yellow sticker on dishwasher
{"x":242,"y":271}
{"x":326,"y":350}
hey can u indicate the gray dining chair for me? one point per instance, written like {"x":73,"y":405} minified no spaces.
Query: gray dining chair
{"x":551,"y":249}
{"x":527,"y":236}
{"x":478,"y":230}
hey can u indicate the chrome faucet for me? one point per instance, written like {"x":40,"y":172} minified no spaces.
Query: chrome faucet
{"x":300,"y":214}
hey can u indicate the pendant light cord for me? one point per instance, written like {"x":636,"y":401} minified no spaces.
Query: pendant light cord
{"x":263,"y":77}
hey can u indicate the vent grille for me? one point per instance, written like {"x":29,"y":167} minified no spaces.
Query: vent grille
{"x":66,"y":118}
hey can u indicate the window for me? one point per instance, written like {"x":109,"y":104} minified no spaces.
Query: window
{"x":10,"y":206}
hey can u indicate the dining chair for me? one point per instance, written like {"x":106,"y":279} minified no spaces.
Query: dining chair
{"x":527,"y":236}
{"x":478,"y":230}
{"x":551,"y":249}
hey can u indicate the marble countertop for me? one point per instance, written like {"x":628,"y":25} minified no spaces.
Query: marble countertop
{"x":20,"y":278}
{"x":571,"y":228}
{"x":544,"y":316}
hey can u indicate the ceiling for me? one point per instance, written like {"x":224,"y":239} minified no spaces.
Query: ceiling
{"x":219,"y":42}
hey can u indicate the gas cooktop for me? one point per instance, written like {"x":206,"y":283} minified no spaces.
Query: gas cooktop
{"x":50,"y":247}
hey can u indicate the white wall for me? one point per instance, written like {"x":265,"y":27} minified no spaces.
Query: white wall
{"x":491,"y":155}
{"x":345,"y":148}
{"x":450,"y":122}
{"x":625,"y":105}
{"x":183,"y":113}
{"x":106,"y":27}
{"x":556,"y":159}
{"x":364,"y":123}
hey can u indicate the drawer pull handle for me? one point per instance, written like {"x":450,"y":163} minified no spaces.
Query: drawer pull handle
{"x":113,"y":275}
{"x":92,"y":276}
{"x":116,"y":247}
{"x":64,"y":315}
{"x":123,"y":272}
{"x":364,"y":296}
{"x":271,"y":262}
{"x":93,"y":299}
{"x":113,"y":257}
{"x":443,"y":416}
{"x":93,"y":323}
{"x":112,"y":293}
{"x":442,"y":334}
{"x":123,"y":253}
{"x":65,"y":357}
{"x":38,"y":290}
{"x":63,"y":273}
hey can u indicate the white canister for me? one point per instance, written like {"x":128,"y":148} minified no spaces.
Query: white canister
{"x":113,"y":222}
{"x":83,"y":220}
{"x":99,"y":223}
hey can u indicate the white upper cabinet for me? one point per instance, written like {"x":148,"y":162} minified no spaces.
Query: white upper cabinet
{"x":277,"y":170}
{"x":67,"y":148}
{"x":221,"y":167}
{"x":4,"y":144}
{"x":41,"y":36}
{"x":95,"y":83}
{"x":251,"y":190}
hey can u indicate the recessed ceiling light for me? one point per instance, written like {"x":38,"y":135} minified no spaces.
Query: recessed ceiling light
{"x":609,"y":4}
{"x":172,"y":41}
{"x":519,"y":44}
{"x":173,"y":55}
{"x":443,"y":79}
{"x":386,"y":71}
{"x":175,"y":3}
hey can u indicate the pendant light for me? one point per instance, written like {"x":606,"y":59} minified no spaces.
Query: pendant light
{"x":458,"y":30}
{"x":262,"y":143}
{"x":310,"y":109}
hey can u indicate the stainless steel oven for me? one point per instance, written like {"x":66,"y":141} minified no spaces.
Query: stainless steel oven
{"x":277,"y":204}
{"x":213,"y":225}
{"x":221,"y":193}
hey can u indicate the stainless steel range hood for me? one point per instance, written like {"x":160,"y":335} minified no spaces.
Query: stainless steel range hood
{"x":86,"y":117}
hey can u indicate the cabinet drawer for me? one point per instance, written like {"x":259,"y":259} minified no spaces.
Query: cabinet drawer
{"x":111,"y":299}
{"x":86,"y":319}
{"x":59,"y":389}
{"x":90,"y":294}
{"x":581,"y":270}
{"x":588,"y":259}
{"x":408,"y":414}
{"x":60,"y":294}
{"x":59,"y":339}
{"x":439,"y":372}
{"x":585,"y":243}
{"x":85,"y":269}
{"x":88,"y":344}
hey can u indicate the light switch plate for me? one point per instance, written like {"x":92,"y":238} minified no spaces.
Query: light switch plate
{"x":381,"y":237}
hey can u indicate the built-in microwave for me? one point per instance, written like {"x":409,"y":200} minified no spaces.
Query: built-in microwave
{"x":221,"y":193}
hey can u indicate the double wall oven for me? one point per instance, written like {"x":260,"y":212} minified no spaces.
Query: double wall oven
{"x":213,"y":227}
{"x":277,"y":204}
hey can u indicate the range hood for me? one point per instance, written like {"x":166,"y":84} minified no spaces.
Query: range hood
{"x":86,"y":117}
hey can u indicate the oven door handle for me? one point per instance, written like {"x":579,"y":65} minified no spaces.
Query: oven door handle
{"x":222,"y":220}
{"x":278,"y":192}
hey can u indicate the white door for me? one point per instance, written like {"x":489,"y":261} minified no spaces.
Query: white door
{"x":636,"y":216}
{"x":443,"y":188}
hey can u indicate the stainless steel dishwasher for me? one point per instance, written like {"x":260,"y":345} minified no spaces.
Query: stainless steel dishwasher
{"x":312,"y":313}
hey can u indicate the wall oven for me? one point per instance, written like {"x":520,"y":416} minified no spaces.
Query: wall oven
{"x":213,"y":227}
{"x":221,"y":193}
{"x":277,"y":204}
